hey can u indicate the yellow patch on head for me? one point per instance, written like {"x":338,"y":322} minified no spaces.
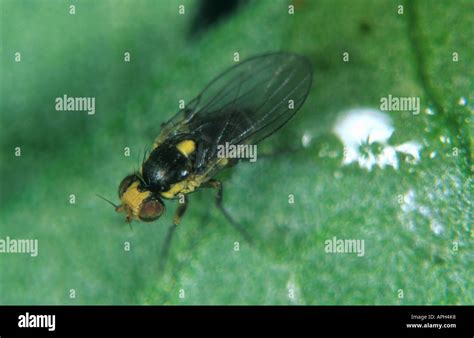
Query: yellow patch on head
{"x":186,"y":147}
{"x":133,"y":198}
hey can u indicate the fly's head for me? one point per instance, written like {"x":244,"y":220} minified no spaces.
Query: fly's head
{"x":137,"y":201}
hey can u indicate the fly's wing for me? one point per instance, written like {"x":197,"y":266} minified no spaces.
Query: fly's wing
{"x":245,"y":104}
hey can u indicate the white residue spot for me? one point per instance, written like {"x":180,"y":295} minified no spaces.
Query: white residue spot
{"x":388,"y":157}
{"x":363,"y":127}
{"x":429,"y":111}
{"x":436,"y":227}
{"x":408,"y":201}
{"x":410,"y":148}
{"x":425,"y":211}
{"x":411,"y":210}
{"x":306,"y":139}
{"x":462,"y":101}
{"x":358,"y":125}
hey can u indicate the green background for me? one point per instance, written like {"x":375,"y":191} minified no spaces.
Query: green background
{"x":81,"y":246}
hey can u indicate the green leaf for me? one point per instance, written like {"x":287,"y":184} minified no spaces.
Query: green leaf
{"x":420,"y":248}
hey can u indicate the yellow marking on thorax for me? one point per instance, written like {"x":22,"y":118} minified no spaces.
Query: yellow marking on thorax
{"x":186,"y":147}
{"x":134,"y":198}
{"x":184,"y":187}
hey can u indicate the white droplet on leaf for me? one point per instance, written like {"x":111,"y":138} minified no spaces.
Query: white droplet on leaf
{"x":366,"y":126}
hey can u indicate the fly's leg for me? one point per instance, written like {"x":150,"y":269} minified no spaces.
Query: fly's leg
{"x":183,"y":205}
{"x":219,"y":196}
{"x":169,"y":236}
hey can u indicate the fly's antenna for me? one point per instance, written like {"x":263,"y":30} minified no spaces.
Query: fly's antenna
{"x":109,"y":201}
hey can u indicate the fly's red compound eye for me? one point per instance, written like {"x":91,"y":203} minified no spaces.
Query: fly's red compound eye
{"x":151,"y":209}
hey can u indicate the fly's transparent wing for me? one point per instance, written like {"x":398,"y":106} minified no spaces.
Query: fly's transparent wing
{"x":246,"y":103}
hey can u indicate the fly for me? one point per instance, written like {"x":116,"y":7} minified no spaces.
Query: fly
{"x":242,"y":106}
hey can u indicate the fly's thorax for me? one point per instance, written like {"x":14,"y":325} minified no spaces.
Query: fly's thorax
{"x":171,"y":162}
